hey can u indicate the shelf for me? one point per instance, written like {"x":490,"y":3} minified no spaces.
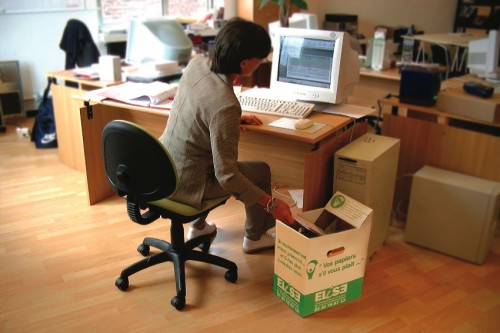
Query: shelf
{"x":478,"y":14}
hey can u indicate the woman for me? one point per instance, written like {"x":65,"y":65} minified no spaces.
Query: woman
{"x":202,"y":136}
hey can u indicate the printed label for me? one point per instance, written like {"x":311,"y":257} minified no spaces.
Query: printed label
{"x":320,"y":300}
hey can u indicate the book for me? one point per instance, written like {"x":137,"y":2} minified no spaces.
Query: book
{"x":153,"y":94}
{"x":89,"y":73}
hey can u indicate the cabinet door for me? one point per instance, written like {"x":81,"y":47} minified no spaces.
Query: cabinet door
{"x":11,"y":91}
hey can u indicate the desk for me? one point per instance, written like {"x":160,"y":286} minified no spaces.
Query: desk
{"x":374,"y":85}
{"x":458,"y":40}
{"x":439,"y":139}
{"x":69,"y":131}
{"x":297,"y":159}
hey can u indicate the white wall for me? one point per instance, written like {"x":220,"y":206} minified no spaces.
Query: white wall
{"x":431,"y":16}
{"x":33,"y":39}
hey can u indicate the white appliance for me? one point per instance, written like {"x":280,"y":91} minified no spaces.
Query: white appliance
{"x":453,"y":213}
{"x":365,"y":170}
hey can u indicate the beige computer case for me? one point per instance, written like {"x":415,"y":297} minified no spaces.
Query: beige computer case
{"x":453,"y":213}
{"x":365,"y":170}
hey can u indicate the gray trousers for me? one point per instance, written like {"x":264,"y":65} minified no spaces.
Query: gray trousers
{"x":258,"y":221}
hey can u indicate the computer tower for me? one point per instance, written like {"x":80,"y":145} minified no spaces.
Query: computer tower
{"x":365,"y":170}
{"x":453,"y":213}
{"x":419,"y":85}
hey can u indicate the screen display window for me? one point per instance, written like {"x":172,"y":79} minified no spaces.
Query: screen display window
{"x":306,"y":61}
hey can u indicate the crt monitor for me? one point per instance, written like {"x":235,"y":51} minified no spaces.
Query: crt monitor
{"x":318,"y":66}
{"x":484,"y":56}
{"x":157,"y":39}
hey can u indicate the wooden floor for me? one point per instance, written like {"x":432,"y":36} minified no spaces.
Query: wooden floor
{"x":59,"y":258}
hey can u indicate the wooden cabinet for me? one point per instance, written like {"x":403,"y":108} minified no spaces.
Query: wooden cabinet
{"x":477,"y":14}
{"x":11,"y":91}
{"x":67,"y":114}
{"x":249,"y":10}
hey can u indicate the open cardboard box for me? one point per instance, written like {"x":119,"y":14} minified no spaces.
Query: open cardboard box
{"x":312,"y":274}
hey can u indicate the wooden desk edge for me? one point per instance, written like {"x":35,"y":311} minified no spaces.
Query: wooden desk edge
{"x":67,"y":75}
{"x":395,"y":102}
{"x":332,"y":123}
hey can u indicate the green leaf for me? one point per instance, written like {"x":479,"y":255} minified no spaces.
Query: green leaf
{"x":281,"y":3}
{"x":299,"y":3}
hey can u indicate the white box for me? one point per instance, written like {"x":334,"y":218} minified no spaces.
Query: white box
{"x":110,"y":68}
{"x":453,"y":213}
{"x":314,"y":274}
{"x":365,"y":170}
{"x":456,"y":101}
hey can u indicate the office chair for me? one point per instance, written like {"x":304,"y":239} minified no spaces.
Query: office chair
{"x":139,"y":168}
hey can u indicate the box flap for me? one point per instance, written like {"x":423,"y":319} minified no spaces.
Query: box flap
{"x":348,"y":209}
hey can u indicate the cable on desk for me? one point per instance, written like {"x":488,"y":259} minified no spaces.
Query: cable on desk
{"x":352,"y":131}
{"x":397,"y":211}
{"x":289,"y":197}
{"x":378,"y":130}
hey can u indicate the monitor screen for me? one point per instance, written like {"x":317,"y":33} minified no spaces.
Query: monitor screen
{"x":483,"y":56}
{"x":314,"y":65}
{"x":157,"y":39}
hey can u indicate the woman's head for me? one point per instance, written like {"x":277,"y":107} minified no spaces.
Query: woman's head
{"x":239,"y":40}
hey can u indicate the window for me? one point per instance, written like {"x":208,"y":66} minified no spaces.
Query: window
{"x":115,"y":14}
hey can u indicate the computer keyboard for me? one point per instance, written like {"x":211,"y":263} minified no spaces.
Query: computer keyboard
{"x":275,"y":107}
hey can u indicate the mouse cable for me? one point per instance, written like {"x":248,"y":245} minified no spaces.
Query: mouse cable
{"x":289,"y":197}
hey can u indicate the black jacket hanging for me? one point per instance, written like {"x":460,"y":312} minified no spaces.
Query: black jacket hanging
{"x":79,"y":46}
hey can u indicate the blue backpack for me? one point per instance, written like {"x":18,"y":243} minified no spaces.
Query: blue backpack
{"x":44,"y":128}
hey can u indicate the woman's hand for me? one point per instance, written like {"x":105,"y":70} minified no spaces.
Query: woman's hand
{"x":277,"y":208}
{"x":246,"y":119}
{"x":282,"y":212}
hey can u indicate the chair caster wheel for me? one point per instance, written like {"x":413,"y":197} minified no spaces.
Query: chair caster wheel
{"x":143,"y":249}
{"x":178,"y":302}
{"x":122,"y":283}
{"x":231,"y":275}
{"x":204,"y":247}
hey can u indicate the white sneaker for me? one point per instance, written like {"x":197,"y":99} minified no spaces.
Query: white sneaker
{"x":209,"y":229}
{"x":266,"y":242}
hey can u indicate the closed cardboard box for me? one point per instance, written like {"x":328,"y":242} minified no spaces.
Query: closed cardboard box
{"x":456,"y":101}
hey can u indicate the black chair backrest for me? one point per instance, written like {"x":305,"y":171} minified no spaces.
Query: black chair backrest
{"x":136,"y":163}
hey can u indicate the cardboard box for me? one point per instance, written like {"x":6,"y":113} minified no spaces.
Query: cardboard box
{"x":365,"y":170}
{"x":456,"y":101}
{"x":315,"y":274}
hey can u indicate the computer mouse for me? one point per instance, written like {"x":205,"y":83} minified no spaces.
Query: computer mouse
{"x":301,"y":124}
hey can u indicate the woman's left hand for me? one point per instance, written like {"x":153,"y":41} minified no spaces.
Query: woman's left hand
{"x":247,"y":119}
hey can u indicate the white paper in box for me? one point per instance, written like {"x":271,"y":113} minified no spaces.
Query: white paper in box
{"x":314,"y":274}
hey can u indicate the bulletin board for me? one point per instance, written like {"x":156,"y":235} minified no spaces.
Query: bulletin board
{"x":33,"y":6}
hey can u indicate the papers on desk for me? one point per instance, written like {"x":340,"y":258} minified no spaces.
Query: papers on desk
{"x":154,"y":94}
{"x":89,"y":73}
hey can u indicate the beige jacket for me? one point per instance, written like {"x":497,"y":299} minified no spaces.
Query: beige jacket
{"x":202,"y":136}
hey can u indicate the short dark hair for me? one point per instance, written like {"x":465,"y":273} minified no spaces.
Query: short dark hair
{"x":236,"y":41}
